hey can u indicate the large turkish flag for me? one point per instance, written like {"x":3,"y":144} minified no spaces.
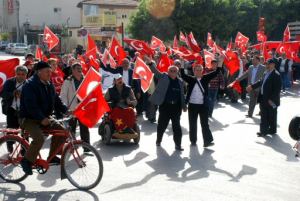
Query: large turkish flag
{"x":7,"y":70}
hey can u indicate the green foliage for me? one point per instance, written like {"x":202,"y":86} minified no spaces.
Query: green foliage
{"x":223,"y":18}
{"x":4,"y":36}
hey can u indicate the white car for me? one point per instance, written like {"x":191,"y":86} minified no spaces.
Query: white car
{"x":9,"y":47}
{"x":19,"y":48}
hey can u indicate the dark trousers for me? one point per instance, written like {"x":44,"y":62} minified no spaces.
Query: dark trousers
{"x":200,"y":110}
{"x":169,"y":112}
{"x":84,"y":131}
{"x":268,"y":122}
{"x":12,"y":120}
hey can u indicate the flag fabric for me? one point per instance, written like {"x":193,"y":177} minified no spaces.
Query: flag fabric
{"x":142,"y":71}
{"x":123,"y":118}
{"x":229,"y":46}
{"x":291,"y":49}
{"x":7,"y":70}
{"x":182,"y":37}
{"x":38,"y":53}
{"x":286,"y":34}
{"x":91,"y":79}
{"x":192,"y":43}
{"x":210,"y":42}
{"x":83,"y":64}
{"x":261,"y":37}
{"x":92,"y":108}
{"x":188,"y":55}
{"x":91,"y":43}
{"x":232,"y":62}
{"x":119,"y":29}
{"x":156,"y":43}
{"x":117,"y":51}
{"x":241,"y":41}
{"x":105,"y":57}
{"x":57,"y":79}
{"x":50,"y":38}
{"x":236,"y":86}
{"x":140,"y":46}
{"x":208,"y":57}
{"x":268,"y":47}
{"x":175,"y":42}
{"x":164,"y":63}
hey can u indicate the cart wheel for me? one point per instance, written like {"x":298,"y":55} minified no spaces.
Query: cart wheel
{"x":137,"y":130}
{"x":106,"y":138}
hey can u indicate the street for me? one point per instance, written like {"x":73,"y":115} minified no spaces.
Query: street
{"x":240,"y":166}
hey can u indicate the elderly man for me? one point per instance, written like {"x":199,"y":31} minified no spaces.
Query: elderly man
{"x":169,"y":96}
{"x":38,"y":101}
{"x":11,"y":94}
{"x":268,"y":98}
{"x":254,"y":73}
{"x":68,"y":97}
{"x":198,"y":101}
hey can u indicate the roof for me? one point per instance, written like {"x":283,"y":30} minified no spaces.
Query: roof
{"x":127,"y":3}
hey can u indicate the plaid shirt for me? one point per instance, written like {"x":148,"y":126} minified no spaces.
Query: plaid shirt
{"x":217,"y":82}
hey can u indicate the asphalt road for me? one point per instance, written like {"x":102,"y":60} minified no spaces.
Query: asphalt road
{"x":241,"y":166}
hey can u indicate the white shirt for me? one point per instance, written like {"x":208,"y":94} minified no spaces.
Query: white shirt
{"x":197,"y":95}
{"x":282,"y":64}
{"x":126,"y":77}
{"x":241,"y":68}
{"x":16,"y":102}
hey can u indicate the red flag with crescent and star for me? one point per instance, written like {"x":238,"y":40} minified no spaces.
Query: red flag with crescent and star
{"x":38,"y":53}
{"x":210,"y":42}
{"x":50,"y":38}
{"x":92,"y":108}
{"x":164,"y":63}
{"x":192,"y":43}
{"x":7,"y":70}
{"x":142,"y":71}
{"x":117,"y":51}
{"x":91,"y":80}
{"x":140,"y":46}
{"x":156,"y":43}
{"x":208,"y":57}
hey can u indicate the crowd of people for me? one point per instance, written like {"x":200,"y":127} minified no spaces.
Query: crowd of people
{"x":43,"y":89}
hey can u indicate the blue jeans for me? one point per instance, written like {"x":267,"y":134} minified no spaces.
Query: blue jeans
{"x":286,"y":83}
{"x":212,"y":96}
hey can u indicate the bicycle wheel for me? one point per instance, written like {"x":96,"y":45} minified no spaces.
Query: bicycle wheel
{"x":12,"y":151}
{"x":82,"y":165}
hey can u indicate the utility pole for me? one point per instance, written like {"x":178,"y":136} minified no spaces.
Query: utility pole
{"x":18,"y":20}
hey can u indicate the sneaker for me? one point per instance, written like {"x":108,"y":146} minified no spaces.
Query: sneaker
{"x":54,"y":161}
{"x":26,"y":166}
{"x":208,"y":144}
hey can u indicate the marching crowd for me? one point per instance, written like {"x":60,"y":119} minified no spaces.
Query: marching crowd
{"x":41,"y":89}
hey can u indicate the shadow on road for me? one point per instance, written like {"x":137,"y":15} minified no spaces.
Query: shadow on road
{"x":278,"y":145}
{"x":173,"y":166}
{"x":23,"y":194}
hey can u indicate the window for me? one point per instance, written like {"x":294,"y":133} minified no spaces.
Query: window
{"x":124,"y":16}
{"x":56,"y":10}
{"x":90,"y":10}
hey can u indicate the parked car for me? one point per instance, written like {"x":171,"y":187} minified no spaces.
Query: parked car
{"x":30,"y":49}
{"x":9,"y":47}
{"x":3,"y":45}
{"x":19,"y":48}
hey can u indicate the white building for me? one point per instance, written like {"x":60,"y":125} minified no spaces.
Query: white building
{"x":295,"y":30}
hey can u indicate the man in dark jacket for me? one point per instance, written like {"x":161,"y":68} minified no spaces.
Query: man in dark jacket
{"x":198,"y":101}
{"x":38,"y":101}
{"x":268,"y":98}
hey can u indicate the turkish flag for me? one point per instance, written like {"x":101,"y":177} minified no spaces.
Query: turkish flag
{"x":119,"y":29}
{"x":91,"y":79}
{"x":123,"y":118}
{"x":182,"y":37}
{"x":241,"y":41}
{"x":91,"y":43}
{"x":237,"y":87}
{"x":140,"y":46}
{"x":142,"y":71}
{"x":229,"y":46}
{"x":105,"y":57}
{"x":261,"y":36}
{"x":156,"y":43}
{"x":286,"y":34}
{"x":50,"y":38}
{"x":218,"y":49}
{"x":164,"y":63}
{"x":268,"y":47}
{"x":175,"y":43}
{"x":188,"y":55}
{"x":7,"y":70}
{"x":57,"y":79}
{"x":83,"y":64}
{"x":117,"y":51}
{"x":232,"y":62}
{"x":38,"y":53}
{"x":208,"y":57}
{"x":92,"y":108}
{"x":291,"y":49}
{"x":192,"y":43}
{"x":210,"y":42}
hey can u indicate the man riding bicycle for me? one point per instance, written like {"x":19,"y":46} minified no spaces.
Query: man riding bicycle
{"x":38,"y":101}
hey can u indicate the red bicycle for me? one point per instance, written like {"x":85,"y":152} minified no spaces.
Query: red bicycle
{"x":80,"y":163}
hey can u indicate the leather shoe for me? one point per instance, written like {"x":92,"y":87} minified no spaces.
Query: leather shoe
{"x":179,"y":148}
{"x":208,"y":144}
{"x":248,"y":116}
{"x":193,"y":143}
{"x":26,"y":166}
{"x":259,"y":134}
{"x":55,"y":161}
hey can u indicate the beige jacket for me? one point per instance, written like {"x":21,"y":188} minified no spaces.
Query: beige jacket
{"x":68,"y":92}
